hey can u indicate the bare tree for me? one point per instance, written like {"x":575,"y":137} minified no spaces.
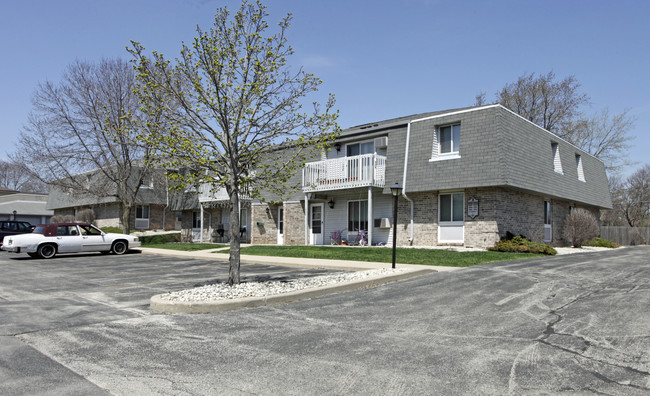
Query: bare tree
{"x":557,"y":106}
{"x":605,"y":136}
{"x":16,"y":176}
{"x":636,"y":204}
{"x":549,"y":104}
{"x":630,"y":199}
{"x":81,"y":134}
{"x":230,"y":99}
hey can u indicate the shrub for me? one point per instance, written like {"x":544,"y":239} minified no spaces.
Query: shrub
{"x":85,"y":216}
{"x":160,"y":238}
{"x":522,"y":245}
{"x":579,"y":227}
{"x":600,"y":242}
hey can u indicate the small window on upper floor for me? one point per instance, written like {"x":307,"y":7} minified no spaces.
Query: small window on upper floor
{"x":360,"y":148}
{"x":147,"y":181}
{"x":446,"y":142}
{"x":557,"y":164}
{"x":581,"y":172}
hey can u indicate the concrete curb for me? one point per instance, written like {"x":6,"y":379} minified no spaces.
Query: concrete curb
{"x":158,"y":304}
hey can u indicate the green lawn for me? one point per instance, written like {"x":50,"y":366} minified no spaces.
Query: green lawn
{"x":384,"y":255}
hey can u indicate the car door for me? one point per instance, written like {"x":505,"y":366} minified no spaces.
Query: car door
{"x":68,"y":238}
{"x":93,"y":240}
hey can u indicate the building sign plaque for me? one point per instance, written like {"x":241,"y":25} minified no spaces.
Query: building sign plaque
{"x":472,"y":207}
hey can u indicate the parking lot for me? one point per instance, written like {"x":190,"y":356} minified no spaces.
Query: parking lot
{"x":79,"y":324}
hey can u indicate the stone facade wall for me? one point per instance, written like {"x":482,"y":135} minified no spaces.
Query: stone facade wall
{"x":266,"y":234}
{"x":521,"y":213}
{"x":294,"y":223}
{"x":425,"y":220}
{"x":482,"y":231}
{"x":501,"y":210}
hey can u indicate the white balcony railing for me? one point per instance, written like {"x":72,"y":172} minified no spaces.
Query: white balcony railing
{"x":341,"y":173}
{"x":206,"y":193}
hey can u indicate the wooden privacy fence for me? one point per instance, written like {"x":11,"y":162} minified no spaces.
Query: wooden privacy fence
{"x":627,"y":236}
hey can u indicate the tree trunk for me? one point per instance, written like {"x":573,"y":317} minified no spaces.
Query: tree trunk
{"x":126,"y":215}
{"x":235,"y":239}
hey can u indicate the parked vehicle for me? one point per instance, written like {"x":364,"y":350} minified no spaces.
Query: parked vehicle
{"x":47,"y":240}
{"x":11,"y":227}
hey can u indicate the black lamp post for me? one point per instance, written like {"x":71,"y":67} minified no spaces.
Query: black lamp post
{"x":396,"y":190}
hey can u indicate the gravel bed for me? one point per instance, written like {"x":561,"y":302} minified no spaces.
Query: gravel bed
{"x":222,"y":291}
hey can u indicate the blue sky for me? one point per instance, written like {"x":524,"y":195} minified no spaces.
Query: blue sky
{"x":382,"y":59}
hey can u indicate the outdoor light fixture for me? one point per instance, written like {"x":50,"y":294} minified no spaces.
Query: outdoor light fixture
{"x":396,"y":190}
{"x":331,"y":203}
{"x":337,"y":146}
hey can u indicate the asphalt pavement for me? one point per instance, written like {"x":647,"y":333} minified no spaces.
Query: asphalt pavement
{"x":80,"y":324}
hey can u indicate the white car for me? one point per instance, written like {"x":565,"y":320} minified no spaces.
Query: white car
{"x":49,"y":239}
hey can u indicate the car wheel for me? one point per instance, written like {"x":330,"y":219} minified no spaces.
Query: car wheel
{"x":33,"y":255}
{"x":119,"y":247}
{"x":46,"y":251}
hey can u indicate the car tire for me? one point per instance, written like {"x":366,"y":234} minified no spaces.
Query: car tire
{"x":119,"y":247}
{"x":33,"y":255}
{"x":46,"y":251}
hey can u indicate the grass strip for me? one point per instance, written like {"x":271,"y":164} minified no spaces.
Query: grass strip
{"x":186,"y":247}
{"x":384,"y":255}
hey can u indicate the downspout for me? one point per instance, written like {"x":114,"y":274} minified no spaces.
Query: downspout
{"x":406,"y":161}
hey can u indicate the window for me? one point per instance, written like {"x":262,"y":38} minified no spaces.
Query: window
{"x":360,"y":148}
{"x":196,"y":219}
{"x":452,"y":207}
{"x":66,"y":230}
{"x":581,"y":172}
{"x":281,"y":221}
{"x":557,"y":164}
{"x":142,"y":216}
{"x":243,"y":220}
{"x":147,"y":181}
{"x":357,"y":215}
{"x":446,"y":142}
{"x":90,"y":230}
{"x":548,"y":228}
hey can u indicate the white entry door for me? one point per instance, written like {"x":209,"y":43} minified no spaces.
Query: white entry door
{"x":316,"y":224}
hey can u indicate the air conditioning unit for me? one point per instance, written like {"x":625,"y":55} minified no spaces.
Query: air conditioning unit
{"x":381,"y":142}
{"x":385,"y":223}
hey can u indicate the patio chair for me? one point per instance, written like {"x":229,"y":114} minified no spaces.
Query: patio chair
{"x":336,"y":238}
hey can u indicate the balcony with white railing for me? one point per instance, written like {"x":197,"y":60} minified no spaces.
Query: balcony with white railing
{"x":342,"y":173}
{"x":208,"y":194}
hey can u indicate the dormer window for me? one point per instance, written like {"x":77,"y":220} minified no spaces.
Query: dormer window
{"x":446,"y":142}
{"x":557,"y":164}
{"x":581,"y":172}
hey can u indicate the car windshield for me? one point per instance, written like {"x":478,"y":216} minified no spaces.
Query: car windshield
{"x":23,"y":227}
{"x":39,"y":230}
